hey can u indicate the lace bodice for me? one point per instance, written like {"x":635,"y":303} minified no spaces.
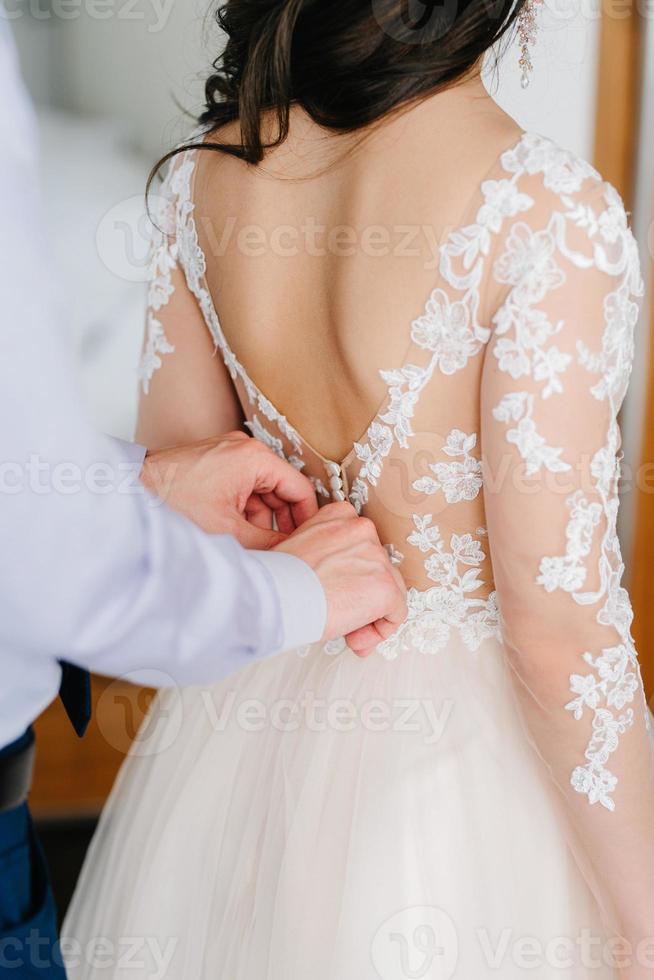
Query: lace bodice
{"x":491,"y":466}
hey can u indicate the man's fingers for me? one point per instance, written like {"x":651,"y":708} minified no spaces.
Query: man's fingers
{"x":363,"y":641}
{"x":335,"y":512}
{"x":398,"y":611}
{"x":384,"y":628}
{"x":329,"y":513}
{"x":257,"y":538}
{"x":285,"y":519}
{"x":306,"y":508}
{"x":277,"y":476}
{"x":258,"y":513}
{"x":282,"y":511}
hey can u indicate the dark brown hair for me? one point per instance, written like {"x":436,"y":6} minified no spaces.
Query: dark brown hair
{"x":348,"y":63}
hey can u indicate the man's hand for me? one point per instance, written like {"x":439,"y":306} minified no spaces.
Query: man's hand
{"x":236,"y":485}
{"x":232,"y":485}
{"x":366,"y":596}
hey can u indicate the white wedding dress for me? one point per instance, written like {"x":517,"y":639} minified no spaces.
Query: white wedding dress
{"x":476,"y":799}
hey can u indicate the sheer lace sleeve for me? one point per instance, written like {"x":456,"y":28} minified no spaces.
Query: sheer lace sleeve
{"x":163,"y":271}
{"x":555,"y":375}
{"x":186,"y":392}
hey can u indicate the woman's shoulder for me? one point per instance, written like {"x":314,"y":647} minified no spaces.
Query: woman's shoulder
{"x":556,"y":177}
{"x":567,"y":249}
{"x":560,"y":200}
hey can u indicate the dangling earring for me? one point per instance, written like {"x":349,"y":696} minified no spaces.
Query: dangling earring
{"x":527,"y":30}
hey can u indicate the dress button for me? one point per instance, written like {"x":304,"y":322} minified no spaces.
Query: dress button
{"x":334,"y":469}
{"x":338,"y":495}
{"x":336,"y":483}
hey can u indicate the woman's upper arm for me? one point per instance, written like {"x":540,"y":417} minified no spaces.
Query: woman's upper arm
{"x":186,"y":391}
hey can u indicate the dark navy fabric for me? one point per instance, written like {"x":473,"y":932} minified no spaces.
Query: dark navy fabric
{"x":29,"y":947}
{"x":19,"y":744}
{"x":29,"y":944}
{"x":75,"y":692}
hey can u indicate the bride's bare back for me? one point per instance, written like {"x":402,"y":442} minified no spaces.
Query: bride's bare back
{"x":320,"y":258}
{"x":317,"y":264}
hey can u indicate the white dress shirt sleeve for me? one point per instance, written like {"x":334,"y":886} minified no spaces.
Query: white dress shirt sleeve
{"x":92,"y":568}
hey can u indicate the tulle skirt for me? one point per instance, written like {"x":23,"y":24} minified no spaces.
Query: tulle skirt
{"x":320,"y":817}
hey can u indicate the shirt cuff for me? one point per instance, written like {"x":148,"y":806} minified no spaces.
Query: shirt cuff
{"x":302,"y":599}
{"x":133,"y":453}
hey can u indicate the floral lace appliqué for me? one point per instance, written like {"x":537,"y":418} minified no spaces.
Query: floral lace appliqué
{"x":460,"y":480}
{"x":163,"y":259}
{"x":448,"y":605}
{"x":518,"y":406}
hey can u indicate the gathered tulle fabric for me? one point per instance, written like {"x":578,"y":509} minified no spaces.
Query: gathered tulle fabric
{"x":326,"y":817}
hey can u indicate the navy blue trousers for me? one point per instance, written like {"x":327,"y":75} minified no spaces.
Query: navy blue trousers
{"x":29,"y":947}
